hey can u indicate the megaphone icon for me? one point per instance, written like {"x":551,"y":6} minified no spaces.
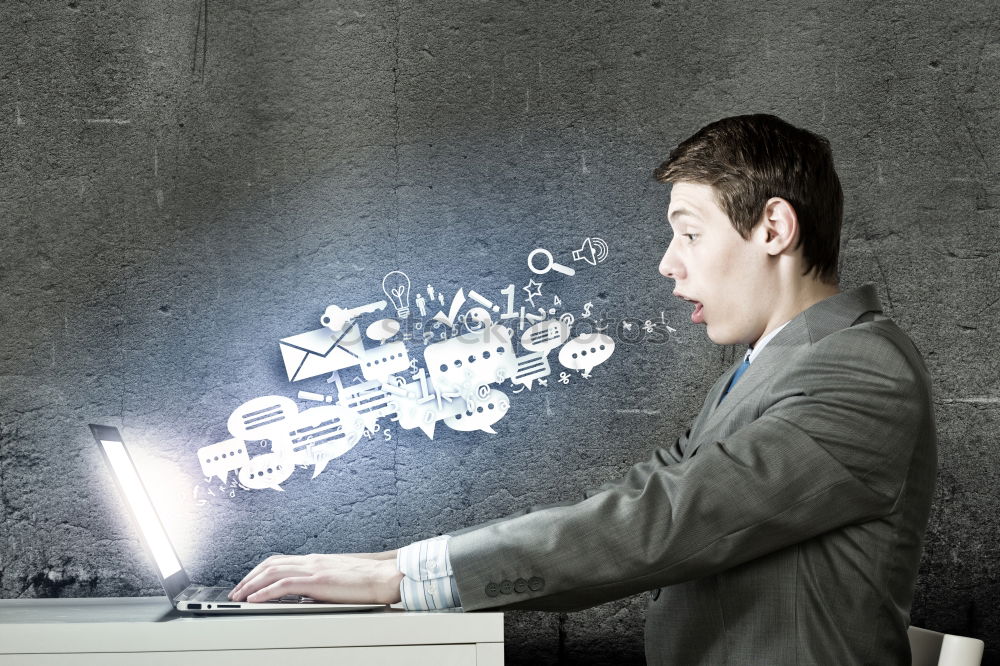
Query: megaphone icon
{"x":593,"y":251}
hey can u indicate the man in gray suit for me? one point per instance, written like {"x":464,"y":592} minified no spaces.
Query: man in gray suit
{"x":785,"y":526}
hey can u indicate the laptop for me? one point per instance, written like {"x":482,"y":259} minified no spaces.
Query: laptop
{"x":184,"y":596}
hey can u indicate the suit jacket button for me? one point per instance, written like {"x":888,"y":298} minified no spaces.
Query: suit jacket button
{"x":506,"y":587}
{"x":536,"y":583}
{"x":520,"y":585}
{"x":655,"y":594}
{"x":492,"y":589}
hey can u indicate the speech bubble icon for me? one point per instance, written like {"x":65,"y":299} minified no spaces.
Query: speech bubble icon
{"x":219,"y":459}
{"x":318,"y":435}
{"x":384,"y":360}
{"x":482,"y":414}
{"x":261,"y":418}
{"x":382,"y":330}
{"x":545,"y":336}
{"x":530,"y":367}
{"x":266,"y":471}
{"x":586,"y":351}
{"x":465,"y":362}
{"x":414,"y":410}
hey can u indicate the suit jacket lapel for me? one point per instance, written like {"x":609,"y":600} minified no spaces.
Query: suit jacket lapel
{"x":829,"y":315}
{"x":760,"y":371}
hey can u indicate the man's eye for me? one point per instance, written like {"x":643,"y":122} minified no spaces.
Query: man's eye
{"x":690,"y":237}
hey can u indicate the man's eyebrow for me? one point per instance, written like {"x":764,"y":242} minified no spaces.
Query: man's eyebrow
{"x":678,"y":212}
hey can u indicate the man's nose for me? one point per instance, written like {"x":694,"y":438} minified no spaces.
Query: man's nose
{"x":669,"y":265}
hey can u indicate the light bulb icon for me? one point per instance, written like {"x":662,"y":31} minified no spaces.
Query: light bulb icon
{"x":396,"y":286}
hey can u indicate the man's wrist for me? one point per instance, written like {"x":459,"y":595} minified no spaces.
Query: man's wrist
{"x":389,"y":577}
{"x":384,"y":555}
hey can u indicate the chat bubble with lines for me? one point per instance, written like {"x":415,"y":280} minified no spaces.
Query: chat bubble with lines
{"x":318,"y":435}
{"x":530,"y":367}
{"x":261,"y":418}
{"x":545,"y":336}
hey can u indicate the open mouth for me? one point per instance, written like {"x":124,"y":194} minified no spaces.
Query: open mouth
{"x":698,"y":316}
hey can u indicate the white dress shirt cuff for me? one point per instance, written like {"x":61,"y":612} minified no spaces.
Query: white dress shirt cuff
{"x":428,"y":582}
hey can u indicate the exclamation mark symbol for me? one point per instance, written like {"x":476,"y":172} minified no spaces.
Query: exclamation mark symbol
{"x":482,"y":300}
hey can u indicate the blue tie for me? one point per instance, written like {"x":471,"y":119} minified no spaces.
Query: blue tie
{"x":736,"y":376}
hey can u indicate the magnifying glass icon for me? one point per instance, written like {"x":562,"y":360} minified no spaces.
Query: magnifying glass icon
{"x":548,"y":265}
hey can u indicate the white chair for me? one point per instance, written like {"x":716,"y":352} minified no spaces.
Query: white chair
{"x":932,"y":648}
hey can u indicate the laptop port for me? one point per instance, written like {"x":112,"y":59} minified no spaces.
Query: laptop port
{"x":228,"y":605}
{"x":194,"y":606}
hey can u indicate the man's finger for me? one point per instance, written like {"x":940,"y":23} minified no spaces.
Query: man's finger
{"x":266,"y":576}
{"x":304,"y":585}
{"x":272,"y":560}
{"x":253,"y":572}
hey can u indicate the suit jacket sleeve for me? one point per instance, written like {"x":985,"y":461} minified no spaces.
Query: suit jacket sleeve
{"x":830,"y":448}
{"x":634,"y":478}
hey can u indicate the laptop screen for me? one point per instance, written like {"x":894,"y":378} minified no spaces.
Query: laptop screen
{"x":142,"y":508}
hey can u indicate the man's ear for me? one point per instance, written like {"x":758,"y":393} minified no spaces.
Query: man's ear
{"x":779,"y":226}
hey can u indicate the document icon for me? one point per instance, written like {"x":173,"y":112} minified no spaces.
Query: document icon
{"x":318,"y":352}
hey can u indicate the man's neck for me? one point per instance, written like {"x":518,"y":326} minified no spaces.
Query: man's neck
{"x":794,"y":301}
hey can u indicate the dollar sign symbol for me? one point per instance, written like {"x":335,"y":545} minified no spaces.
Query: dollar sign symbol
{"x":587,"y":307}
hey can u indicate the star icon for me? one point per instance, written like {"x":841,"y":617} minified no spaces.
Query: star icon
{"x":532,"y":293}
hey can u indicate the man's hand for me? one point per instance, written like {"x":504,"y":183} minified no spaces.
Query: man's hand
{"x":363,"y":578}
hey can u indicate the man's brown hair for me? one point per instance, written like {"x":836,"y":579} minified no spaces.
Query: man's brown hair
{"x":749,"y":159}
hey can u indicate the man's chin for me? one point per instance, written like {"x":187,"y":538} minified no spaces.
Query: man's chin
{"x":721,"y":336}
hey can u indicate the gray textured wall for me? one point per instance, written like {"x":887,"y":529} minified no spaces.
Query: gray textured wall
{"x":182,"y":184}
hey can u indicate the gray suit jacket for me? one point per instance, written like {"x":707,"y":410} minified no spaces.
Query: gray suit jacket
{"x":784,"y":527}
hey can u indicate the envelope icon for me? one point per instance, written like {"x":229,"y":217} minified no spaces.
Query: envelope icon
{"x":318,"y":352}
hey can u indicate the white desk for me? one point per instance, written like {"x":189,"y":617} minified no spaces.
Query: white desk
{"x":147,"y":631}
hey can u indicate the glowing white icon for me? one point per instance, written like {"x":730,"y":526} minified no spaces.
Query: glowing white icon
{"x":451,"y":319}
{"x":336,"y":318}
{"x":267,"y":471}
{"x":481,"y":414}
{"x":586,"y":351}
{"x":477,"y":319}
{"x":416,"y":407}
{"x":531,"y":366}
{"x":369,"y":400}
{"x":321,"y":351}
{"x":482,"y":300}
{"x":533,"y":289}
{"x":262,"y":418}
{"x":548,"y":265}
{"x":545,"y":336}
{"x":219,"y":459}
{"x":384,"y":360}
{"x":593,"y":251}
{"x":382,"y":330}
{"x":317,"y":436}
{"x":396,"y":286}
{"x":464,"y":363}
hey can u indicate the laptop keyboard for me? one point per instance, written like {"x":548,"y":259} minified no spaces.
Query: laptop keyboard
{"x":212,"y":594}
{"x":222,"y":594}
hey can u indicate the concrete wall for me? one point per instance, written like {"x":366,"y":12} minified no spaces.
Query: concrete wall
{"x":182,"y":184}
